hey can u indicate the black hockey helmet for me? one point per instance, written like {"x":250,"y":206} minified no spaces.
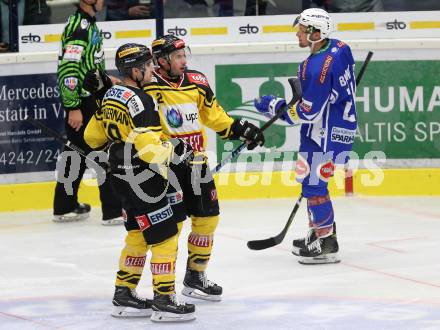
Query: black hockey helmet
{"x":131,"y":55}
{"x":165,"y":45}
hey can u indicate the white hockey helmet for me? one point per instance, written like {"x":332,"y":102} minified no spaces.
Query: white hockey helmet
{"x":316,"y":19}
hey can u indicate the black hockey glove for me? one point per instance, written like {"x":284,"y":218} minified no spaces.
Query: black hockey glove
{"x":245,"y":131}
{"x":183,"y":152}
{"x":97,"y":82}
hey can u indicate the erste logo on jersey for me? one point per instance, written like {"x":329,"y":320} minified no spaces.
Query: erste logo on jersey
{"x":121,"y":94}
{"x":175,"y":197}
{"x":197,"y":78}
{"x":71,"y":82}
{"x":160,"y":215}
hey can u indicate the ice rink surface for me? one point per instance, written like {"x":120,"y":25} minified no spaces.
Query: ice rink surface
{"x":61,"y":276}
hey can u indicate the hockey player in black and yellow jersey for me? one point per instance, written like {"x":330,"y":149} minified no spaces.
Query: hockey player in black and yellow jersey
{"x":139,"y":155}
{"x":186,"y":105}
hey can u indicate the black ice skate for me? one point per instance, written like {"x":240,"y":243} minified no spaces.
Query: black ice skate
{"x":128,"y":304}
{"x":320,"y":251}
{"x":197,"y":285}
{"x":301,"y":243}
{"x":80,"y":213}
{"x":166,"y":308}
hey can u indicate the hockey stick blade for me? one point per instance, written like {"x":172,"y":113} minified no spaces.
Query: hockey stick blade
{"x":270,"y":242}
{"x":296,"y":95}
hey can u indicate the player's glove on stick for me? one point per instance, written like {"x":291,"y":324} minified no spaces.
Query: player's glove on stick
{"x":245,"y":131}
{"x":269,"y":105}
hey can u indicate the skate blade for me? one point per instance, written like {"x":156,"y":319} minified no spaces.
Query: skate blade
{"x":112,"y":222}
{"x":62,"y":218}
{"x":197,"y":294}
{"x":295,"y":251}
{"x":130,"y":312}
{"x":159,"y":316}
{"x":331,"y":258}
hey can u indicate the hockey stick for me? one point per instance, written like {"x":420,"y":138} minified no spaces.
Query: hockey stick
{"x":50,"y":132}
{"x":272,"y":241}
{"x":296,"y":90}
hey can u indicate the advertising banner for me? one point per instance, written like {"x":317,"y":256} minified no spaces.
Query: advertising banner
{"x":24,"y":148}
{"x":398,"y":106}
{"x":246,"y":29}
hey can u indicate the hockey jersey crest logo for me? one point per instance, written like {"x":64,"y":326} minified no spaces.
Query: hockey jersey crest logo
{"x":71,"y":82}
{"x":197,"y":78}
{"x":174,"y":118}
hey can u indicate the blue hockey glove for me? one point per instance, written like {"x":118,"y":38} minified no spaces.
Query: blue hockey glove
{"x":269,"y":105}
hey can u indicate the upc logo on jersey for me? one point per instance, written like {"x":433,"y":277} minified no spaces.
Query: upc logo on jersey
{"x":160,"y":215}
{"x":71,"y":82}
{"x":197,"y":78}
{"x":343,"y":135}
{"x":174,"y":118}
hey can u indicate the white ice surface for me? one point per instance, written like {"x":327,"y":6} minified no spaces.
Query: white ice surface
{"x":61,"y":276}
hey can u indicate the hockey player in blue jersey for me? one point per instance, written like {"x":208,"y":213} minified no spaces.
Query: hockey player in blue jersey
{"x":327,"y":114}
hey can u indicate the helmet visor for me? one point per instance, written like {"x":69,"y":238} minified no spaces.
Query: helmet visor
{"x":180,"y":53}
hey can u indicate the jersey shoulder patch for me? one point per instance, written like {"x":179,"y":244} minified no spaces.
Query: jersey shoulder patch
{"x":197,"y":78}
{"x":135,"y":106}
{"x":119,"y":93}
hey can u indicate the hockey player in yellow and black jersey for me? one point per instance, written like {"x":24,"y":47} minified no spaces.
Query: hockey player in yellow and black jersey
{"x":139,"y":155}
{"x":186,"y":105}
